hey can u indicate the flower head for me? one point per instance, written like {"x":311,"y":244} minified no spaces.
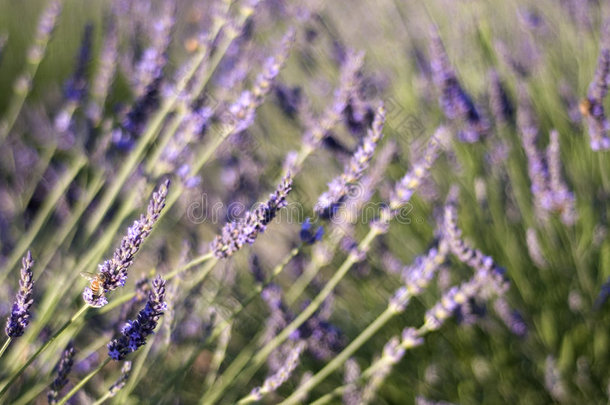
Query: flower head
{"x":237,"y":233}
{"x":134,"y":333}
{"x":20,"y":313}
{"x":112,"y":274}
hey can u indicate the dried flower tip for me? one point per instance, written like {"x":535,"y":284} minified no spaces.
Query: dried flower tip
{"x":19,"y":318}
{"x":63,"y":368}
{"x":122,"y":380}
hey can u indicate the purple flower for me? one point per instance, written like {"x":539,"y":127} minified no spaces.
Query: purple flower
{"x":235,"y":234}
{"x":20,"y":313}
{"x":273,"y":382}
{"x":76,"y":87}
{"x":308,"y":235}
{"x":455,"y":102}
{"x":339,"y":188}
{"x":63,"y":368}
{"x":112,"y":274}
{"x":593,"y":107}
{"x":134,"y":333}
{"x":501,"y":105}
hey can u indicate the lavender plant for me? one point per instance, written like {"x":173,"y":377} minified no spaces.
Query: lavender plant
{"x":407,"y":189}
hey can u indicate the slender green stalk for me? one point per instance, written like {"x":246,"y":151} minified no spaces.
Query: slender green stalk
{"x":312,"y":269}
{"x":103,"y":398}
{"x":41,"y":218}
{"x":5,"y":346}
{"x":70,"y":225}
{"x":29,"y":361}
{"x":23,"y":85}
{"x":37,"y":174}
{"x":136,"y":370}
{"x":315,"y":303}
{"x":82,"y":382}
{"x":217,"y":358}
{"x":234,"y":369}
{"x":345,"y":354}
{"x":380,"y":362}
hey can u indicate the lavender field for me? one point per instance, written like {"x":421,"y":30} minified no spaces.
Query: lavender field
{"x":308,"y":202}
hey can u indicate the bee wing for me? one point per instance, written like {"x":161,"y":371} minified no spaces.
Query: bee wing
{"x":89,"y":276}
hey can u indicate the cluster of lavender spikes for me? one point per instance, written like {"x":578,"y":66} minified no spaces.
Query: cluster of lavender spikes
{"x":112,"y":274}
{"x":20,"y":313}
{"x":550,"y":192}
{"x":134,"y":333}
{"x":237,"y":233}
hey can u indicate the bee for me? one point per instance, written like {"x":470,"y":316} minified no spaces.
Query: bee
{"x":96,"y":282}
{"x":585,"y":106}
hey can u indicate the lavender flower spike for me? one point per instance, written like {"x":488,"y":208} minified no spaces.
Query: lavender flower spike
{"x":63,"y":369}
{"x":593,"y":106}
{"x":406,"y":186}
{"x":135,"y":332}
{"x":112,"y":274}
{"x":455,"y":102}
{"x":340,"y":186}
{"x":237,"y":233}
{"x":122,"y":380}
{"x":273,"y":382}
{"x":20,"y":313}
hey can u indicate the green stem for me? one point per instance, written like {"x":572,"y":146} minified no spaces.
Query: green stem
{"x":316,"y":302}
{"x":16,"y":375}
{"x":82,"y":382}
{"x":5,"y":346}
{"x":50,"y":204}
{"x":234,"y":369}
{"x":103,"y":398}
{"x":338,"y":360}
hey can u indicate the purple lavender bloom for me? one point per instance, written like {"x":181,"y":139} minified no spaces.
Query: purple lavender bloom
{"x":134,"y":333}
{"x":112,"y":274}
{"x":563,"y":199}
{"x":76,"y":87}
{"x":455,"y":102}
{"x":237,"y":233}
{"x":405,"y":187}
{"x":487,"y":272}
{"x":20,"y":313}
{"x":593,"y":107}
{"x":308,"y":235}
{"x":536,"y":164}
{"x":273,"y":382}
{"x":501,"y":105}
{"x":603,"y":295}
{"x":339,"y":188}
{"x":136,"y":119}
{"x":63,"y":368}
{"x":289,"y":99}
